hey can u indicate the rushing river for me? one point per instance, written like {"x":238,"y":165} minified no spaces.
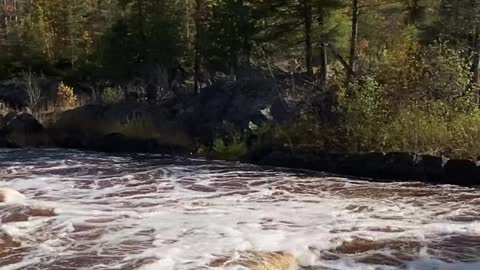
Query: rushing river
{"x":95,"y":211}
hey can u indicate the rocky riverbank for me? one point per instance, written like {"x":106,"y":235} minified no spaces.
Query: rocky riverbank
{"x":395,"y":166}
{"x":23,"y":130}
{"x":223,"y":112}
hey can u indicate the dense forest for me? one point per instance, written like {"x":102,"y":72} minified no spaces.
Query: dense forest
{"x":404,"y":74}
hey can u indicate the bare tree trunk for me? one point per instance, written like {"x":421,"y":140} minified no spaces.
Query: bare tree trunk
{"x":414,"y":10}
{"x":199,"y":15}
{"x":324,"y":67}
{"x":187,"y":21}
{"x":323,"y":55}
{"x":307,"y":6}
{"x":353,"y":39}
{"x":476,"y":59}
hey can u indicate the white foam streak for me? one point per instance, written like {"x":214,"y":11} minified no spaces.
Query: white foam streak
{"x":114,"y":212}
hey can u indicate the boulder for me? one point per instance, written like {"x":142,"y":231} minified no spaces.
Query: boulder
{"x":364,"y":165}
{"x":402,"y":166}
{"x":257,"y":260}
{"x":8,"y":195}
{"x":9,"y":116}
{"x":119,"y":143}
{"x":24,"y":130}
{"x":23,"y":123}
{"x":462,"y":172}
{"x":227,"y":107}
{"x":4,"y":143}
{"x":2,"y":121}
{"x":120,"y":128}
{"x":432,"y":168}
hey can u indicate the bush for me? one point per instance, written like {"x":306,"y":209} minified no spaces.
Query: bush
{"x":434,"y":132}
{"x":410,"y":73}
{"x":67,"y":94}
{"x":113,"y":95}
{"x":232,"y":150}
{"x":365,"y":112}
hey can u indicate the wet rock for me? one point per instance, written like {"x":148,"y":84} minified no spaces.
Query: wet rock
{"x":402,"y":166}
{"x":7,"y":243}
{"x":359,"y":246}
{"x":19,"y":213}
{"x":148,"y":128}
{"x":462,"y":172}
{"x":8,"y":195}
{"x":4,"y":143}
{"x":24,"y":130}
{"x":9,"y":116}
{"x":432,"y":168}
{"x":258,"y":260}
{"x":377,"y":166}
{"x":116,"y":142}
{"x":41,"y":212}
{"x":23,"y":123}
{"x":363,"y":165}
{"x":67,"y":139}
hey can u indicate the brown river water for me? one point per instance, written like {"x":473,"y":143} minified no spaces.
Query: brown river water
{"x":87,"y":210}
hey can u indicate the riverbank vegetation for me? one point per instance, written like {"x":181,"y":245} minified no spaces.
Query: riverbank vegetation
{"x":364,"y":75}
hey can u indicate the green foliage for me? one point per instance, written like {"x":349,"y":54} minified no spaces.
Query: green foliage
{"x":414,"y":87}
{"x":411,"y":73}
{"x":444,"y":126}
{"x":112,"y":95}
{"x":364,"y":110}
{"x":234,"y":149}
{"x":229,"y":35}
{"x":144,"y":35}
{"x":67,"y":95}
{"x":417,"y":130}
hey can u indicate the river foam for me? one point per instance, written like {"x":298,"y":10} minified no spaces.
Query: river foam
{"x":155,"y":212}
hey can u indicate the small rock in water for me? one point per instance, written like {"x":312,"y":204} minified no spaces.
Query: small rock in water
{"x":8,"y":195}
{"x":7,"y":243}
{"x":257,"y":260}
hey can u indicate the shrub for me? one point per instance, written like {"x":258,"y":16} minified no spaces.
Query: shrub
{"x":364,"y":111}
{"x":232,"y":150}
{"x":113,"y":95}
{"x":417,"y":130}
{"x":67,"y":94}
{"x":410,"y":73}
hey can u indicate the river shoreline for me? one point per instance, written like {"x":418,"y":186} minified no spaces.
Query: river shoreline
{"x":374,"y":166}
{"x":385,"y":167}
{"x":25,"y":131}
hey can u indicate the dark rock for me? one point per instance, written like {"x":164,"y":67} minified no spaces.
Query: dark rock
{"x":364,"y":165}
{"x":23,"y":123}
{"x":432,"y":168}
{"x":119,"y":143}
{"x":67,"y":139}
{"x":228,"y":107}
{"x":4,"y":143}
{"x":24,"y":130}
{"x":462,"y":172}
{"x":277,"y":159}
{"x":80,"y":127}
{"x":402,"y":166}
{"x":391,"y":166}
{"x":9,"y":116}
